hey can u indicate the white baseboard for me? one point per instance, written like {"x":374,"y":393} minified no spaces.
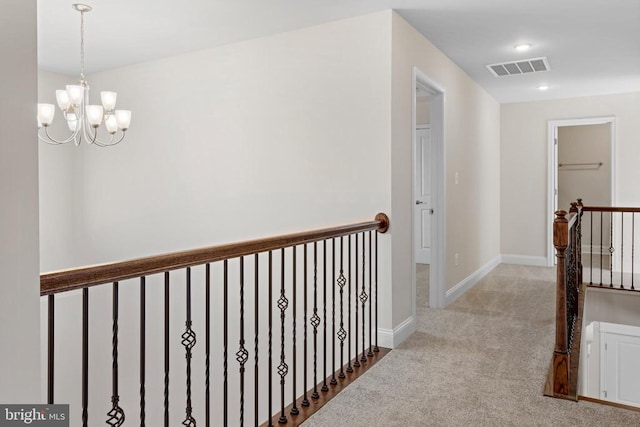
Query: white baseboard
{"x":391,"y":338}
{"x":470,"y":281}
{"x":535,"y":261}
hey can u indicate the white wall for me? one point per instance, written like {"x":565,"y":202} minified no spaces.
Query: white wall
{"x":523,"y":161}
{"x":20,"y":287}
{"x":472,"y":141}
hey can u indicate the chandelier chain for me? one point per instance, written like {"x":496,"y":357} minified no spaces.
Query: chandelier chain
{"x":82,"y":46}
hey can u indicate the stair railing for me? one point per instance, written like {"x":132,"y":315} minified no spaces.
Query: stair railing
{"x":288,"y":282}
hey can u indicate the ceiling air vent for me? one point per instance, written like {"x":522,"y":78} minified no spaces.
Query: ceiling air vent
{"x":524,"y":66}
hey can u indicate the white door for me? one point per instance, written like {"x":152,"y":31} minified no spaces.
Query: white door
{"x":620,"y":380}
{"x":423,"y":200}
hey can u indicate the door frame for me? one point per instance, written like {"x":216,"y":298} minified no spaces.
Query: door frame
{"x":552,"y":169}
{"x":437,"y":289}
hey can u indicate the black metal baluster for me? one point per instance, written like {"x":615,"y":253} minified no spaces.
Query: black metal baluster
{"x":256,"y":325}
{"x":349,"y":367}
{"x":356,"y":363}
{"x":188,"y":341}
{"x":621,"y":249}
{"x":116,"y":414}
{"x":242,"y":355}
{"x":166,"y":349}
{"x":601,"y":246}
{"x":283,"y":303}
{"x":325,"y":387}
{"x":225,"y":343}
{"x":363,"y":298}
{"x":591,"y":250}
{"x":342,"y":334}
{"x":50,"y":347}
{"x":270,"y":335}
{"x":370,"y":353}
{"x":376,"y":349}
{"x":207,"y":345}
{"x":85,"y":356}
{"x":315,"y":321}
{"x":143,"y":346}
{"x":294,"y":409}
{"x":333,"y":313}
{"x":305,"y":399}
{"x":633,"y":245}
{"x":611,"y":250}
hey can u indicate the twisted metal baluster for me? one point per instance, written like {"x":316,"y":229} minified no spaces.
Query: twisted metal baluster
{"x":255,"y":369}
{"x":356,"y":363}
{"x":611,"y":250}
{"x":283,"y":368}
{"x":349,"y":367}
{"x":143,"y":338}
{"x":225,"y":343}
{"x":85,"y":357}
{"x":166,"y":349}
{"x":376,"y":348}
{"x":342,"y":334}
{"x":242,"y":355}
{"x":325,"y":387}
{"x":207,"y":345}
{"x":363,"y":298}
{"x":50,"y":347}
{"x":315,"y":321}
{"x":633,"y":246}
{"x":270,"y":338}
{"x":621,"y":250}
{"x":116,"y":414}
{"x":370,"y":353}
{"x":305,"y":399}
{"x":294,"y":409}
{"x":333,"y":313}
{"x":188,"y":341}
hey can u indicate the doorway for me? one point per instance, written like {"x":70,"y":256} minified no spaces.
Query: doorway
{"x":428,"y":192}
{"x":581,"y":165}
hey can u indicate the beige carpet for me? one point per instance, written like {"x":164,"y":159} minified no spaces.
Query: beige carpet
{"x":480,"y":362}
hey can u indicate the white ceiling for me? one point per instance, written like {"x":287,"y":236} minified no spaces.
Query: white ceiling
{"x":593,"y":46}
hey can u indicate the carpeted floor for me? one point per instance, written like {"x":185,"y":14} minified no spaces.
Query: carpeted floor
{"x":480,"y":362}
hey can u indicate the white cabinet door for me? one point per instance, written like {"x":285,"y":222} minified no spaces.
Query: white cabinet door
{"x":621,"y":367}
{"x":423,"y":210}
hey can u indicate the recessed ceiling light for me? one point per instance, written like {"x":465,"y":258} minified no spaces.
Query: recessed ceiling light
{"x":543,"y":87}
{"x":521,"y":47}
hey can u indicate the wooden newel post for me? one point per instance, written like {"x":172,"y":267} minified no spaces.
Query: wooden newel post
{"x":561,"y":354}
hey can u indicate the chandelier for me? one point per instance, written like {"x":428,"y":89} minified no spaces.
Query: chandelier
{"x":84,"y":119}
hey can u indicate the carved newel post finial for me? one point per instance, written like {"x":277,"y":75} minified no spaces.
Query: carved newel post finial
{"x":560,"y":230}
{"x":580,"y":205}
{"x":574,"y":207}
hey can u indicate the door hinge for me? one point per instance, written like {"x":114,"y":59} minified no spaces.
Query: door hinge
{"x":555,"y":141}
{"x":605,"y":347}
{"x":605,"y":393}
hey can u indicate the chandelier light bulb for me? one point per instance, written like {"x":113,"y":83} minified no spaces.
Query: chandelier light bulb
{"x":124,"y":118}
{"x":46,"y":113}
{"x":94,"y":115}
{"x":63,"y":99}
{"x":111,"y":124}
{"x":108,"y":100}
{"x":76,"y":94}
{"x":72,"y":122}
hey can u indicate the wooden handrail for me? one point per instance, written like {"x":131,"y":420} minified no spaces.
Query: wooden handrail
{"x":77,"y":278}
{"x":608,"y":209}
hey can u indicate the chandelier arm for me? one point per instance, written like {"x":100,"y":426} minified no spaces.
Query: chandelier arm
{"x":110,"y":143}
{"x":54,"y":141}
